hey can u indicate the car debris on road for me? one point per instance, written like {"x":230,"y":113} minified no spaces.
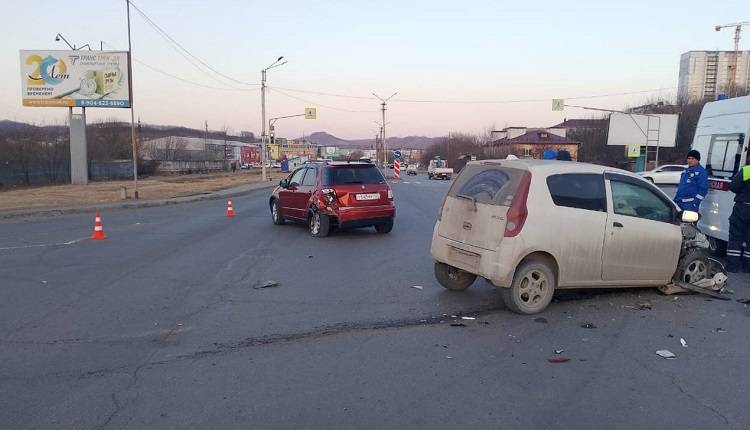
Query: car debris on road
{"x":265,"y":284}
{"x":666,"y":354}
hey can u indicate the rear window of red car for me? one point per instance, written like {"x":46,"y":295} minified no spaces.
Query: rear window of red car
{"x":342,"y":175}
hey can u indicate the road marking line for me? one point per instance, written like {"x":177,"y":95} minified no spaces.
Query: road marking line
{"x":42,"y":245}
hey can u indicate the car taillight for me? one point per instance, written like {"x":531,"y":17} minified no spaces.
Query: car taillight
{"x":329,"y":194}
{"x":518,"y":211}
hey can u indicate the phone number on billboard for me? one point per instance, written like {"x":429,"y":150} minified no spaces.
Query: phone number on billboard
{"x":103,"y":103}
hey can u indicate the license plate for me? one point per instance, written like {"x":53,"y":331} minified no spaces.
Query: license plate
{"x":371,"y":196}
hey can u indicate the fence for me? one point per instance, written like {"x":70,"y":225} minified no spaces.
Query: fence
{"x":16,"y":173}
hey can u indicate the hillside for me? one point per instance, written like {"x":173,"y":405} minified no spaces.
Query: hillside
{"x":414,"y":142}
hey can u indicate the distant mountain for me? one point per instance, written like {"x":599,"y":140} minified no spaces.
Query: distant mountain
{"x":411,"y":142}
{"x":7,"y":126}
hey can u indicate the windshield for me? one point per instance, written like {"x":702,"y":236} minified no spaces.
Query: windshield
{"x":352,"y":175}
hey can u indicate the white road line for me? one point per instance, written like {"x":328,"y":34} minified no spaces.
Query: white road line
{"x":42,"y":245}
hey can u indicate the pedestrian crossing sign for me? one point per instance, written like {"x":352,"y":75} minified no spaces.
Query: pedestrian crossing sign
{"x":310,"y":113}
{"x":634,"y":151}
{"x":558,"y":105}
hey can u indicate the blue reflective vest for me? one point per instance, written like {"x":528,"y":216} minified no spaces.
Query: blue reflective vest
{"x":692,"y":189}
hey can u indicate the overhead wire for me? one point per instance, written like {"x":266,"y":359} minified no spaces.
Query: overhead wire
{"x":182,"y":51}
{"x":198,"y":84}
{"x":275,"y":89}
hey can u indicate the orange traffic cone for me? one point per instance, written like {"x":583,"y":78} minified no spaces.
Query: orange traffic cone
{"x":230,"y":210}
{"x":98,"y":229}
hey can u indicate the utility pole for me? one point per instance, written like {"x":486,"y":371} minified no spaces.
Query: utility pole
{"x":132,"y":112}
{"x":383,"y":104}
{"x":264,"y":150}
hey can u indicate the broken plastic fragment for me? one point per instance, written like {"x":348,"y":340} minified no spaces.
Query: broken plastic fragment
{"x":458,"y":325}
{"x":684,"y":344}
{"x":666,"y":354}
{"x":588,"y":325}
{"x":468,"y":318}
{"x":417,"y":287}
{"x":265,"y":284}
{"x":558,"y":359}
{"x":559,"y":351}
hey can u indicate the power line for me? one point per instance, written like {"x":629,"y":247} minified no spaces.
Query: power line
{"x":449,"y":101}
{"x":182,"y":48}
{"x":319,"y":93}
{"x":198,"y":84}
{"x":318,"y":104}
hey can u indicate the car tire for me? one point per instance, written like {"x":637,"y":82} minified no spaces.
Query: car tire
{"x":453,"y":278}
{"x":319,"y":224}
{"x":693,"y":267}
{"x":717,"y":247}
{"x":429,"y":176}
{"x":532,"y":289}
{"x":384,"y":228}
{"x":276,"y":213}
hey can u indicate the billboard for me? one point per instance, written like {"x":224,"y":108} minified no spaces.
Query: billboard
{"x":75,"y":78}
{"x":631,"y":129}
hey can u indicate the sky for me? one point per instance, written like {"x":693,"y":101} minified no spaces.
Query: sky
{"x":480,"y":64}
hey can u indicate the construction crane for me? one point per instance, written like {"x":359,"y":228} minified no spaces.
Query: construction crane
{"x":737,"y":30}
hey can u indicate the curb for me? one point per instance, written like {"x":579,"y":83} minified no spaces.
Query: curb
{"x":215,"y":195}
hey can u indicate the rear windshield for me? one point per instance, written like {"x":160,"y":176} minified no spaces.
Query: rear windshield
{"x":487,"y":184}
{"x":342,"y":175}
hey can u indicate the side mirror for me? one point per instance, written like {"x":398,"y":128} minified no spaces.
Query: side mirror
{"x":284,"y":183}
{"x":690,"y":216}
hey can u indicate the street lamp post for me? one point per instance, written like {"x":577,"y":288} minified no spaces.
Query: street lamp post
{"x":263,"y":154}
{"x":385,"y":147}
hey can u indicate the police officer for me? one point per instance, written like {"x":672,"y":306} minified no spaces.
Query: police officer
{"x":693,"y":184}
{"x":739,"y":223}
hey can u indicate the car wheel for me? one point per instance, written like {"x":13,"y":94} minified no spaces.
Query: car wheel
{"x":384,"y":228}
{"x":320,"y":224}
{"x":692,"y":267}
{"x":532,"y":289}
{"x":429,"y":176}
{"x":276,"y":213}
{"x":453,"y":278}
{"x":717,"y":247}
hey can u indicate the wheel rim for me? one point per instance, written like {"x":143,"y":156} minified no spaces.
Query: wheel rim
{"x":695,"y":271}
{"x":453,"y":274}
{"x":533,"y":289}
{"x":315,"y":223}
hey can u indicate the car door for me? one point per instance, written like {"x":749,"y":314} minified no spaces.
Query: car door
{"x":580,"y":209}
{"x":304,"y":191}
{"x":642,"y":237}
{"x":288,"y":196}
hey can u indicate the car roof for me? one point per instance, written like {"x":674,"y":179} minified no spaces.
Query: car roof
{"x":552,"y":167}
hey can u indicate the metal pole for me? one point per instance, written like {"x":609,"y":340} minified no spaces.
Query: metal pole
{"x":263,"y":121}
{"x":385,"y":148}
{"x":132,"y":113}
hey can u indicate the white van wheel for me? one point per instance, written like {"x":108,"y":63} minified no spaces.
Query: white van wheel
{"x":453,"y":278}
{"x":532,"y":289}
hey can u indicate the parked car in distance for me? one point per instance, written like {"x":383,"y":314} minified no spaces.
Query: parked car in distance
{"x":531,"y":227}
{"x":412,"y":170}
{"x":334,"y":195}
{"x":669,"y":174}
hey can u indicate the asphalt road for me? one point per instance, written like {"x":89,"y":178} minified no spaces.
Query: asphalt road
{"x":159,"y":326}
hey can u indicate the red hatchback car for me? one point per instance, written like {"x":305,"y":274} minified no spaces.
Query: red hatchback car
{"x":334,"y":195}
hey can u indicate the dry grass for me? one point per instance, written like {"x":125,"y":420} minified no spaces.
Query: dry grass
{"x":158,"y":187}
